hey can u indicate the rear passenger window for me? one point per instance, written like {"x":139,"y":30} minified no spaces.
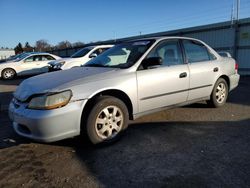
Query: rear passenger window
{"x":169,"y":51}
{"x":195,"y":51}
{"x":47,"y":58}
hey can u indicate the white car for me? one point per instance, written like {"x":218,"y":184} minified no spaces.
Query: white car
{"x":79,"y":58}
{"x":130,"y":80}
{"x":26,"y":64}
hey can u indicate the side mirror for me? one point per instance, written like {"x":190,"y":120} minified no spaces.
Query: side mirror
{"x":93,"y":55}
{"x":151,"y":61}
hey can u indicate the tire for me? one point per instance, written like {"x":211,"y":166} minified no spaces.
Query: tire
{"x":8,"y":74}
{"x":107,"y":120}
{"x":219,"y":94}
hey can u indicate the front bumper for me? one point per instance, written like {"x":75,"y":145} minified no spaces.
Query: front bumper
{"x":52,"y":69}
{"x":47,"y":125}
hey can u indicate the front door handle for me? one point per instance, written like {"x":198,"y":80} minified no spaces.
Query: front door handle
{"x":183,"y":75}
{"x":216,"y":69}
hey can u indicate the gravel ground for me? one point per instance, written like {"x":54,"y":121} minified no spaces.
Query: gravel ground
{"x":192,"y":146}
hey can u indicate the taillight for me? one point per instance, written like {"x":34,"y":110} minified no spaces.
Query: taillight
{"x":236,"y":66}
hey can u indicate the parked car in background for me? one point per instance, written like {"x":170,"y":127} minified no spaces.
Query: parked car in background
{"x":129,"y":80}
{"x":26,"y":64}
{"x":79,"y":58}
{"x":9,"y":58}
{"x":12,"y":58}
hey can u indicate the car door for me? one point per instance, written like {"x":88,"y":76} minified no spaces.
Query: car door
{"x":30,"y":65}
{"x":163,"y":85}
{"x":203,"y":69}
{"x":43,"y":64}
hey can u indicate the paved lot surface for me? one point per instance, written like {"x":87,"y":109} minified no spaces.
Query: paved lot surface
{"x":192,"y":146}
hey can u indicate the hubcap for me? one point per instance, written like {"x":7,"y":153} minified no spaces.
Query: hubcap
{"x":109,"y":122}
{"x":220,"y":93}
{"x":8,"y":74}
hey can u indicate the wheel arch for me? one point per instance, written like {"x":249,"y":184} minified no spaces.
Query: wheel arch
{"x":226,"y":78}
{"x":110,"y":92}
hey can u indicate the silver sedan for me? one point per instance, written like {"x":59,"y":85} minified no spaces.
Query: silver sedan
{"x":131,"y":79}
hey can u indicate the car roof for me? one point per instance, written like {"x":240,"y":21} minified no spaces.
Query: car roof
{"x":162,"y":38}
{"x":102,"y":45}
{"x":39,"y":53}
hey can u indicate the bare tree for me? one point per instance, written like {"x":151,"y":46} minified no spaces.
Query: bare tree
{"x":64,"y":44}
{"x":42,"y":45}
{"x":77,"y":44}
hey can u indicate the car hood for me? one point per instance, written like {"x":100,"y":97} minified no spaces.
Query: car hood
{"x":69,"y":60}
{"x":7,"y":63}
{"x":61,"y":80}
{"x":3,"y":62}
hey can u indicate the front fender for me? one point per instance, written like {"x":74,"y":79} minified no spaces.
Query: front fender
{"x":69,"y":65}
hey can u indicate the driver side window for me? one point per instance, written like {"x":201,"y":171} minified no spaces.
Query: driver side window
{"x":169,"y":51}
{"x":29,"y":59}
{"x":33,"y":58}
{"x":99,"y":51}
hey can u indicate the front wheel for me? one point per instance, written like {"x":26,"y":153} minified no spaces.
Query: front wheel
{"x":107,"y":119}
{"x":8,"y":74}
{"x":220,"y":93}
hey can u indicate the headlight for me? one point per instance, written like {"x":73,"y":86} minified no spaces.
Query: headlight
{"x":51,"y":63}
{"x":59,"y":65}
{"x":50,"y":101}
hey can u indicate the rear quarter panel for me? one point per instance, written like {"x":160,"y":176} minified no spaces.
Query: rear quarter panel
{"x":226,"y":67}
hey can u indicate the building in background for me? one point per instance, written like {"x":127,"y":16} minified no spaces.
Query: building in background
{"x":232,"y":37}
{"x":6,"y":53}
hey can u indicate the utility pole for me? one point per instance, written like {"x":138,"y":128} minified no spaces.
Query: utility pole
{"x":232,"y":15}
{"x":236,"y":30}
{"x":238,"y":10}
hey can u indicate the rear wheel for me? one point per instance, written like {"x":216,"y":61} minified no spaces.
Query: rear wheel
{"x":8,"y":74}
{"x":107,"y":119}
{"x":220,"y":93}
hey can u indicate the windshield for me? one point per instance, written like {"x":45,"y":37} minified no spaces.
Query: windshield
{"x":21,"y":56}
{"x":82,"y":52}
{"x":12,"y":57}
{"x":122,"y":55}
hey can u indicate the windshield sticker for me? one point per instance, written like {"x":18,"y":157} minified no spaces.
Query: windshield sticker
{"x":141,"y":43}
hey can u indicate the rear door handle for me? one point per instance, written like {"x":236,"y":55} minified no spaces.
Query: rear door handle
{"x":183,"y":75}
{"x":216,"y":69}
